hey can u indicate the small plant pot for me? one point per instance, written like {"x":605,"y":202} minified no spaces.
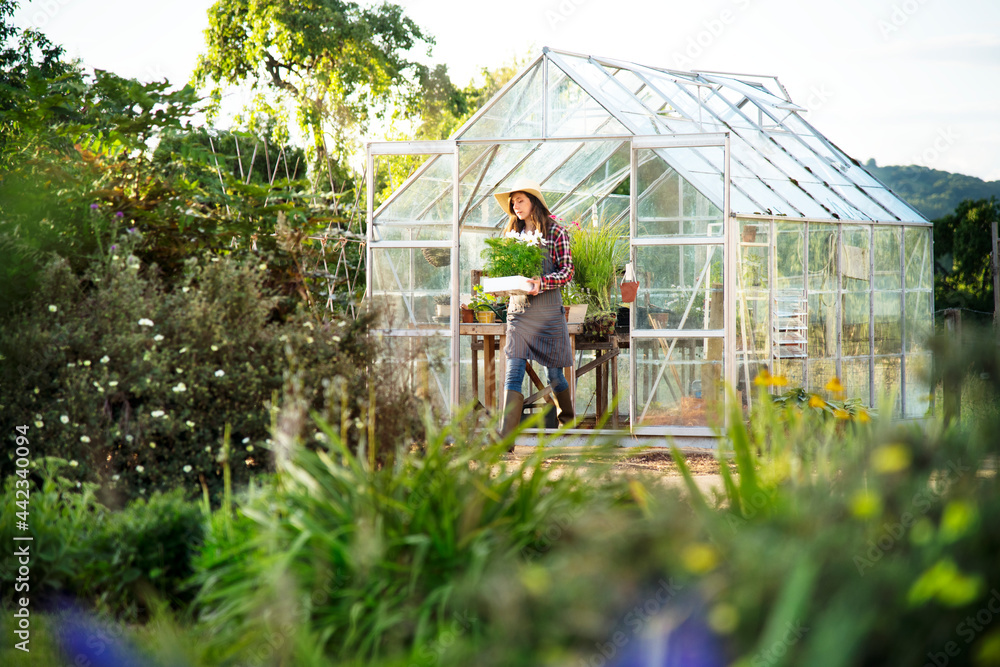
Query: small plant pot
{"x":468,"y":316}
{"x":486,"y":316}
{"x":629,"y":290}
{"x":442,"y":310}
{"x":749,"y":233}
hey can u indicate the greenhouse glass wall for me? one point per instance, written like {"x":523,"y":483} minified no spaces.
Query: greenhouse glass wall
{"x":757,"y":243}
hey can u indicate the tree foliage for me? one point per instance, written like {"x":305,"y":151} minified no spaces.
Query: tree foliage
{"x":962,"y":256}
{"x":339,"y":63}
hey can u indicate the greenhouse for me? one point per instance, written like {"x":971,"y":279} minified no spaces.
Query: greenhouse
{"x":759,"y":246}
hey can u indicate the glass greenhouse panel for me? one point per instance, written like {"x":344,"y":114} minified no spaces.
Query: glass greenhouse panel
{"x":792,"y":370}
{"x":610,"y":91}
{"x":754,"y":250}
{"x":822,"y":325}
{"x":821,"y":372}
{"x":888,"y":380}
{"x":888,"y":322}
{"x":668,"y":204}
{"x":919,"y":268}
{"x":572,"y":112}
{"x":856,"y":314}
{"x":406,"y":287}
{"x":823,"y":265}
{"x":855,"y":267}
{"x":855,"y":375}
{"x":423,"y":362}
{"x":678,"y":382}
{"x":789,"y":256}
{"x":918,"y":394}
{"x":425,"y":199}
{"x":888,"y":255}
{"x":680,"y":287}
{"x":919,"y":321}
{"x":518,"y":113}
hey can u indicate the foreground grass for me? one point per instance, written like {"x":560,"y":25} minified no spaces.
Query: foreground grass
{"x":834,"y":543}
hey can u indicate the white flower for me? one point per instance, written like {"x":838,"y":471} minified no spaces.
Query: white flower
{"x":39,"y":424}
{"x":190,"y":424}
{"x":157,"y":413}
{"x":129,"y":438}
{"x":114,"y":478}
{"x":105,"y":359}
{"x":215,"y":348}
{"x":73,"y":464}
{"x":71,"y":365}
{"x":152,"y":445}
{"x":178,"y":370}
{"x":180,"y":387}
{"x":246,"y":440}
{"x":64,"y":419}
{"x":158,"y":337}
{"x":86,"y":362}
{"x":307,"y":324}
{"x":145,"y":322}
{"x":335,"y":339}
{"x":208,"y":449}
{"x":309,"y":340}
{"x":53,"y":308}
{"x":113,"y":383}
{"x":185,"y":289}
{"x":139,"y":469}
{"x":341,"y":323}
{"x":186,"y":468}
{"x":262,"y":267}
{"x":183,"y":350}
{"x":219,"y":373}
{"x":84,"y":438}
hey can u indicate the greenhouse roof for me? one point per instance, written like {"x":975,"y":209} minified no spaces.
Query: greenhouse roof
{"x":543,"y":125}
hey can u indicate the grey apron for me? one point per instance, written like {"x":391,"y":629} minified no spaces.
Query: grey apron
{"x":537,"y":332}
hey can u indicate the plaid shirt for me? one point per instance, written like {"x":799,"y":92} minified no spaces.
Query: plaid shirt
{"x":557,"y":241}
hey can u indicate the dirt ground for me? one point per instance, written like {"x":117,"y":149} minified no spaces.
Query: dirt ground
{"x":657,"y":460}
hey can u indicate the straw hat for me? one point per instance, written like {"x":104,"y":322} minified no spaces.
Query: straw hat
{"x":520,"y":185}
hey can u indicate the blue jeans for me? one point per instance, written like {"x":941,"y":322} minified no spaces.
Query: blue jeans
{"x":515,"y":376}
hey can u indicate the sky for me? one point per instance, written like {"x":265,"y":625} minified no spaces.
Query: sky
{"x":900,"y":81}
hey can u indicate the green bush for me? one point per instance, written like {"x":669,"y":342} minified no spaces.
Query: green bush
{"x":117,"y":561}
{"x":349,"y":562}
{"x":135,"y":383}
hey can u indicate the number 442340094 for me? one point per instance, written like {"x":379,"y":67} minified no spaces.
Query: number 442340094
{"x":22,"y":452}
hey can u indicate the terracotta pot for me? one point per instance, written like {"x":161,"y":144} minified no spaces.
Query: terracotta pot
{"x":629,"y":290}
{"x":468,"y":316}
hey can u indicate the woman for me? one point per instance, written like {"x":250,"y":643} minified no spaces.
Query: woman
{"x":536,"y":325}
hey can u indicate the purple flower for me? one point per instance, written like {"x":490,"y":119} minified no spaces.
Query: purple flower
{"x":131,"y":230}
{"x":93,"y":207}
{"x":114,"y":246}
{"x":119,"y":214}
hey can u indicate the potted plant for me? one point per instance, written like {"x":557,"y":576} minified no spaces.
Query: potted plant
{"x":482,"y":303}
{"x":599,"y":256}
{"x":510,"y":260}
{"x":442,"y":306}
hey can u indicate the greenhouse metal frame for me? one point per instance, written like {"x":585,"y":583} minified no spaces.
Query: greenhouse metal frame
{"x":758,"y":244}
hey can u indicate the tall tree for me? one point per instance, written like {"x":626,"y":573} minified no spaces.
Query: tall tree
{"x":339,"y":63}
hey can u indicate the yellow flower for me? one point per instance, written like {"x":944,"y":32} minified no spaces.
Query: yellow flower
{"x":815,"y":401}
{"x":891,"y":458}
{"x":765,"y":379}
{"x":834,"y":386}
{"x":863,"y":416}
{"x":841,"y":414}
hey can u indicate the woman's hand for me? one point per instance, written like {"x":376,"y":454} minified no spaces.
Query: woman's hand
{"x":536,"y":285}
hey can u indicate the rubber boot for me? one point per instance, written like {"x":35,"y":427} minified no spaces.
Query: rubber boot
{"x":564,"y":406}
{"x":513,"y":406}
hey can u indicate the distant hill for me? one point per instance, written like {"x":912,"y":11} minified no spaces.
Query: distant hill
{"x":934,"y":193}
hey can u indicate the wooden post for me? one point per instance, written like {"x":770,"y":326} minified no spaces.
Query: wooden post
{"x":952,"y":373}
